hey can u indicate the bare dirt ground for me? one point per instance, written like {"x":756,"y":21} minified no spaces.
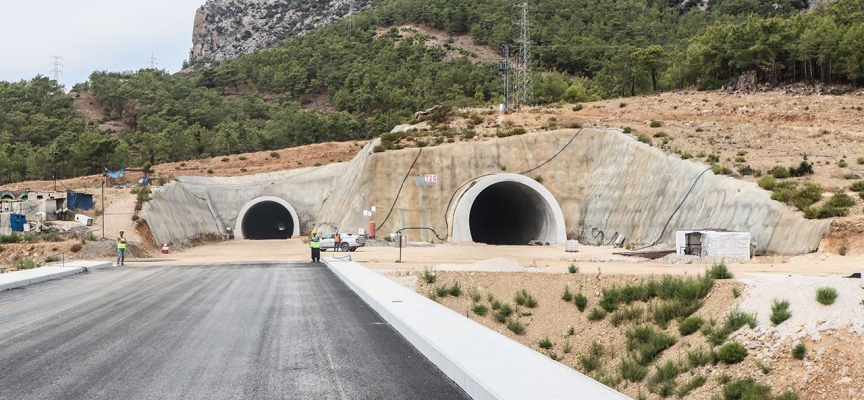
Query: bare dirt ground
{"x":454,"y":45}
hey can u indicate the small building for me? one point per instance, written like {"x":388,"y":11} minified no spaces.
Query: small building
{"x":79,"y":201}
{"x":715,"y":243}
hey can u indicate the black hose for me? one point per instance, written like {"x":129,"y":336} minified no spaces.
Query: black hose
{"x":407,"y":174}
{"x":668,"y":221}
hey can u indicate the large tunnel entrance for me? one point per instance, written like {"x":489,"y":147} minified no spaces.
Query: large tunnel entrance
{"x":507,"y":213}
{"x":267,"y":218}
{"x":508,"y":209}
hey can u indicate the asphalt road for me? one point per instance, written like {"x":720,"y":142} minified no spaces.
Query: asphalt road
{"x":289,"y":331}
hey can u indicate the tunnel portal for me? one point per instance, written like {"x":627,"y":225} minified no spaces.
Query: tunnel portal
{"x":508,"y":209}
{"x":267,"y":220}
{"x":507,"y":213}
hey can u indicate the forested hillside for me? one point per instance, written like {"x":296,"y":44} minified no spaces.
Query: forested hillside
{"x":370,"y":79}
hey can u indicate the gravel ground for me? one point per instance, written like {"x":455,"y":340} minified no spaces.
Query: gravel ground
{"x":800,"y":291}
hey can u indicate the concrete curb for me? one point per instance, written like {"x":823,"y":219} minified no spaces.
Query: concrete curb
{"x":484,"y":363}
{"x":19,"y":279}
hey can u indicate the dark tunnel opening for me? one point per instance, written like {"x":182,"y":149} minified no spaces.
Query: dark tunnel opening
{"x":507,"y":213}
{"x":267,"y":220}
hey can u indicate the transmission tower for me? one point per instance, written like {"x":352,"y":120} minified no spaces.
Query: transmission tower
{"x":55,"y":67}
{"x":351,"y":15}
{"x":523,"y":71}
{"x":153,"y":62}
{"x":505,"y":65}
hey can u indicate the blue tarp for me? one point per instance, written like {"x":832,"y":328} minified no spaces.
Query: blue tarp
{"x":17,"y":222}
{"x":115,"y":174}
{"x":79,"y":201}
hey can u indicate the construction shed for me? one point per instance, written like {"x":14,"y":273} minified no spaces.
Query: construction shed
{"x":79,"y":201}
{"x":713,"y":243}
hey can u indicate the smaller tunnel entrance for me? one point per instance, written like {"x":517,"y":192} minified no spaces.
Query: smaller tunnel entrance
{"x":267,"y":218}
{"x":507,"y":213}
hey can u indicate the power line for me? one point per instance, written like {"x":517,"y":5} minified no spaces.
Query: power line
{"x":55,"y":67}
{"x":523,"y":71}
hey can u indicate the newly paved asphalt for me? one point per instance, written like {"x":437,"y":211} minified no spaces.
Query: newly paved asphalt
{"x":289,"y":331}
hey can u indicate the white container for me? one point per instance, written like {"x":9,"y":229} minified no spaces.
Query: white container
{"x":571,"y":246}
{"x":83,"y":220}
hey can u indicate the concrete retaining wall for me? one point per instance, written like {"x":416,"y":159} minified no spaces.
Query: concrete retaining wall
{"x":606,"y":182}
{"x":176,"y":215}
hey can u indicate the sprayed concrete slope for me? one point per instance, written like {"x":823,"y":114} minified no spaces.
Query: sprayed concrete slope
{"x":605,"y":182}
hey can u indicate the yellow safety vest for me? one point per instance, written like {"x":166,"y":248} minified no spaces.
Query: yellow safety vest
{"x":121,"y":243}
{"x":315,"y":242}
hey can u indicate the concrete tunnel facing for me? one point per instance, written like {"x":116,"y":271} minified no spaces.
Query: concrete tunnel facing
{"x":508,"y":209}
{"x":267,"y":218}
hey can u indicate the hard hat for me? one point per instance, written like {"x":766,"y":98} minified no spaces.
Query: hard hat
{"x":314,"y":232}
{"x":121,"y":231}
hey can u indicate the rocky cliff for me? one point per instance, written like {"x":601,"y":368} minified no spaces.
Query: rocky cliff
{"x":224,"y":29}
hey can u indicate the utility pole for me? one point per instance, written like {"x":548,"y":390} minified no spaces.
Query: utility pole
{"x":506,"y":67}
{"x":153,"y":62}
{"x":523,"y":72}
{"x":55,"y":67}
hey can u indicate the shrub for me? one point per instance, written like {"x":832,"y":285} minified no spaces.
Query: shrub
{"x":826,"y":295}
{"x":735,"y":319}
{"x":630,"y":314}
{"x":732,"y":353}
{"x":806,"y":197}
{"x":767,"y":182}
{"x":646,"y":343}
{"x":75,"y":248}
{"x":567,"y":296}
{"x":622,"y":104}
{"x":566,"y":348}
{"x":779,"y":172}
{"x":860,"y":160}
{"x":242,"y":158}
{"x":480,"y":309}
{"x":573,"y":268}
{"x":596,"y":314}
{"x":850,"y":176}
{"x":627,"y":129}
{"x":503,"y":312}
{"x":709,"y":84}
{"x":689,"y":325}
{"x":577,"y":107}
{"x":524,"y":299}
{"x":780,"y":311}
{"x":12,"y":238}
{"x":842,"y":164}
{"x":51,"y":259}
{"x":590,"y":363}
{"x":661,"y":134}
{"x":857,"y":186}
{"x":840,"y":200}
{"x":515,"y":326}
{"x":274,"y":154}
{"x":545,"y":343}
{"x":662,"y":381}
{"x":455,"y":290}
{"x":803,"y":169}
{"x":655,"y":124}
{"x":442,"y":291}
{"x":429,"y":276}
{"x":209,"y":170}
{"x":475,"y":295}
{"x":712,"y":159}
{"x":662,"y":313}
{"x":686,"y":156}
{"x":719,"y":271}
{"x":718,"y":169}
{"x":581,"y":301}
{"x":694,"y":383}
{"x":799,"y":351}
{"x":644,"y":138}
{"x":736,"y":292}
{"x":746,"y":389}
{"x":24,"y":263}
{"x":225,"y":159}
{"x":701,"y":356}
{"x":747,"y":170}
{"x":632,"y":370}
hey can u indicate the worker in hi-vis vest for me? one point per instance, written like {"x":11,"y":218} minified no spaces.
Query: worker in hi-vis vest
{"x":121,"y":249}
{"x":315,"y":244}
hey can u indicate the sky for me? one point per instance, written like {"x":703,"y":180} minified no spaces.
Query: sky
{"x":93,"y":35}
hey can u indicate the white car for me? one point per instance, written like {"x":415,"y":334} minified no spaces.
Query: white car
{"x":349,"y":242}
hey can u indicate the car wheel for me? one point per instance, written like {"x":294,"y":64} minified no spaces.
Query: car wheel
{"x":353,"y":248}
{"x":323,"y":249}
{"x":345,"y":246}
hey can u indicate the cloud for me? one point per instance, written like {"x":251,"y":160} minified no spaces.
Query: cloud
{"x":93,"y":35}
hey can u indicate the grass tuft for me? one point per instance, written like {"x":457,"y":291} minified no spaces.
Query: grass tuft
{"x":515,"y":326}
{"x":455,"y":290}
{"x":690,"y":325}
{"x":596,"y":314}
{"x":581,"y":301}
{"x":720,"y":271}
{"x":646,"y":343}
{"x":662,"y":381}
{"x":735,"y":319}
{"x":632,"y":370}
{"x":567,"y":296}
{"x":524,"y":299}
{"x":429,"y":276}
{"x":502,"y":313}
{"x":624,"y":315}
{"x":826,"y":295}
{"x":545,"y":343}
{"x":701,"y":356}
{"x":746,"y":388}
{"x":799,"y":351}
{"x":480,"y":309}
{"x":694,"y":383}
{"x":573,"y":268}
{"x":780,"y":311}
